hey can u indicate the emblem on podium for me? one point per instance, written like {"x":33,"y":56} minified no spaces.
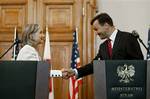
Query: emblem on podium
{"x":126,"y":73}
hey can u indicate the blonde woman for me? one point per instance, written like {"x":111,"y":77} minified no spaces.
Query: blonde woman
{"x":31,"y":38}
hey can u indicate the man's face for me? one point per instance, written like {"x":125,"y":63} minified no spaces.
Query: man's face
{"x":101,"y":31}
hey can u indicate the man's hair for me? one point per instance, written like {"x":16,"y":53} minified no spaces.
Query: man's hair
{"x":102,"y":19}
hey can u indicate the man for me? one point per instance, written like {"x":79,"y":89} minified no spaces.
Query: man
{"x":119,"y":45}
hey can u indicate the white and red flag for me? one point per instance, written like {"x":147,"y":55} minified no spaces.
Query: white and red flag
{"x":47,"y":57}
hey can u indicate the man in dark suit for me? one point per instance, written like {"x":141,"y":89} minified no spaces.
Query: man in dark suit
{"x":119,"y":45}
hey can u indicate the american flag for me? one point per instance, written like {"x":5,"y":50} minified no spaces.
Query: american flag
{"x":148,"y":53}
{"x":75,"y":63}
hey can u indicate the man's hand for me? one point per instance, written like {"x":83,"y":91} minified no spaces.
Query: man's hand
{"x":67,"y":73}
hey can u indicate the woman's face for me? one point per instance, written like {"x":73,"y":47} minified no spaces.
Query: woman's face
{"x":38,"y":37}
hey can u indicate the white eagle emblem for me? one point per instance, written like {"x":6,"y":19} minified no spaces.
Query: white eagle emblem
{"x":126,"y":73}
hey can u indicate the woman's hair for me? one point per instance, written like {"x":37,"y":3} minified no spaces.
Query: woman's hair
{"x":30,"y":29}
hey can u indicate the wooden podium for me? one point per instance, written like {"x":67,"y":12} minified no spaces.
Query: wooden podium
{"x":24,"y":80}
{"x":122,"y":79}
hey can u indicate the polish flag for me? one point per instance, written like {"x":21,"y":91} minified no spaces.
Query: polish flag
{"x":47,"y":57}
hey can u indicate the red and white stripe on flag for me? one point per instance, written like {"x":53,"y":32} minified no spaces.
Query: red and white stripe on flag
{"x":47,"y":57}
{"x":75,"y":63}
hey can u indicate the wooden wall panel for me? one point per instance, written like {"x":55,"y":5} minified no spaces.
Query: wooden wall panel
{"x":6,"y":37}
{"x":88,"y":45}
{"x":11,"y":16}
{"x":10,"y":2}
{"x":59,"y":1}
{"x":61,"y":55}
{"x":3,"y":47}
{"x":59,"y":18}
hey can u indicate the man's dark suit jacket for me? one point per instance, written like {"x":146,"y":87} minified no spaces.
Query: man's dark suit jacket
{"x":126,"y":47}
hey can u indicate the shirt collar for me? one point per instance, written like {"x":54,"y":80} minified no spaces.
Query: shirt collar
{"x":113,"y":35}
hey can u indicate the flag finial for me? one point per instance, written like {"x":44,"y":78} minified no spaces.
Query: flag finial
{"x":46,"y":28}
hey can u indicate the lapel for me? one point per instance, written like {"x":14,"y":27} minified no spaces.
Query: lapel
{"x":116,"y":42}
{"x":104,"y":51}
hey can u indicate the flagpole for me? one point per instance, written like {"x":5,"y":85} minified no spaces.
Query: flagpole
{"x":77,"y":33}
{"x":46,"y":28}
{"x":14,"y":47}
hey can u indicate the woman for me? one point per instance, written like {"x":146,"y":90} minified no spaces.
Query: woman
{"x":31,"y":38}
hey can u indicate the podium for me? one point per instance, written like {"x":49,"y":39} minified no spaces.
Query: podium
{"x":122,"y":79}
{"x":24,"y":80}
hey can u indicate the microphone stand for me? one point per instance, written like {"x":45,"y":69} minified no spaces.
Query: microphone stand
{"x":15,"y":43}
{"x":141,"y":41}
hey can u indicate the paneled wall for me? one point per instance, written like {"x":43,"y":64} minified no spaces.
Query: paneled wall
{"x":12,"y":14}
{"x":61,"y":17}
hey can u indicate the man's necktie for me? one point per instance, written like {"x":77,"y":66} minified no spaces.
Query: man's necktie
{"x":109,"y":46}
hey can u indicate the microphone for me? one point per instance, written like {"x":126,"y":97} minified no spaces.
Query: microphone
{"x":17,"y":41}
{"x":135,"y":34}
